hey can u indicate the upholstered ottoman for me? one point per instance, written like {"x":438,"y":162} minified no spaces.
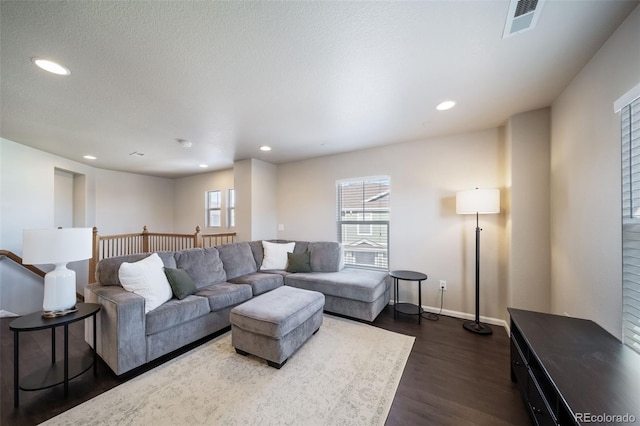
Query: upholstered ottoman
{"x":275,"y":324}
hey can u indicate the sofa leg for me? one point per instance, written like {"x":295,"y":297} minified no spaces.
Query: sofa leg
{"x":318,"y":329}
{"x":241,"y":352}
{"x":276,"y":365}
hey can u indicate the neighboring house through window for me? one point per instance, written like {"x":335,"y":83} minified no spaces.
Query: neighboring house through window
{"x":363,"y":221}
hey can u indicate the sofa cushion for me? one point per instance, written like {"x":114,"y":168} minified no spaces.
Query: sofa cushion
{"x":176,"y":312}
{"x":203,"y":266}
{"x":221,"y":296}
{"x":357,"y":284}
{"x":277,"y":312}
{"x":299,"y":262}
{"x":237,"y":259}
{"x":146,"y":278}
{"x":181,"y":283}
{"x":275,"y":255}
{"x":107,"y":269}
{"x":326,"y":256}
{"x":260,"y":282}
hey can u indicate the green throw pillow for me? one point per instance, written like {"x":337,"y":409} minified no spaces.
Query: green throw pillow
{"x":180,"y":282}
{"x":299,"y":262}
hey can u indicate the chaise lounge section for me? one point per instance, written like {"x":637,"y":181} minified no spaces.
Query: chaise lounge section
{"x":225,"y":277}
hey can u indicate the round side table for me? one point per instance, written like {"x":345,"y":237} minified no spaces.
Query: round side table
{"x":407,"y":308}
{"x":58,"y":372}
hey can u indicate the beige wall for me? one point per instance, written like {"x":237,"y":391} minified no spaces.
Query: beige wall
{"x":190,"y":203}
{"x":256,"y":211}
{"x":585,"y":183}
{"x":425,"y":233}
{"x":528,"y":215}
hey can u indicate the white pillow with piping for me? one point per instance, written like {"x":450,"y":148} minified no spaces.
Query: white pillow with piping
{"x":147,"y":279}
{"x":275,"y":255}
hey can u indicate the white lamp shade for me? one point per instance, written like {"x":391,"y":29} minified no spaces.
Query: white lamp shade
{"x":44,"y":246}
{"x":482,"y":201}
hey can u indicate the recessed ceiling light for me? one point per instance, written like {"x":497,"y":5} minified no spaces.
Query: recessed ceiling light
{"x":89,"y":157}
{"x":265,"y":148}
{"x":203,"y":166}
{"x":443,"y":106}
{"x":51,"y":66}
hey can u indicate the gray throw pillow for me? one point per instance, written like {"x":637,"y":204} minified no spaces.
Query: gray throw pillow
{"x":180,"y":282}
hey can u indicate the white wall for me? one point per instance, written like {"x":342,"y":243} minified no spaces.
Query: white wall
{"x":585,"y":183}
{"x":263,"y":200}
{"x":116,"y":202}
{"x":27,"y":201}
{"x":126,"y":202}
{"x":425,"y":233}
{"x":190,"y":203}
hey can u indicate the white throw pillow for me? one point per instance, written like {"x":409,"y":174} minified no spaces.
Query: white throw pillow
{"x":275,"y":255}
{"x":147,"y":279}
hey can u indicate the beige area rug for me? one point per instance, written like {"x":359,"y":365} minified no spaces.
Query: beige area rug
{"x":346,"y":374}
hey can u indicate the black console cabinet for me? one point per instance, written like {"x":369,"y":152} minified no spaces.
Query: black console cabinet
{"x":571,"y":371}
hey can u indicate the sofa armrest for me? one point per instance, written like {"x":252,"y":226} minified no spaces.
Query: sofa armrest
{"x":121,"y":341}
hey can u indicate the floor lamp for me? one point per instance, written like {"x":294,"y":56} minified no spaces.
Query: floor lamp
{"x":478,"y":201}
{"x":57,"y":247}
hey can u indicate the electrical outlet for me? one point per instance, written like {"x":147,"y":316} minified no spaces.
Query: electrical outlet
{"x":443,"y":285}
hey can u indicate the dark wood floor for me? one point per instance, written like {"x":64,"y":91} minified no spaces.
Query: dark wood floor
{"x":452,"y":377}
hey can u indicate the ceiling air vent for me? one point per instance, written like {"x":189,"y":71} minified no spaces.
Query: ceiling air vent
{"x":523,"y":15}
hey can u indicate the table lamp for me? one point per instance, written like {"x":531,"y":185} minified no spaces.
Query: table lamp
{"x":478,"y":201}
{"x":57,"y":247}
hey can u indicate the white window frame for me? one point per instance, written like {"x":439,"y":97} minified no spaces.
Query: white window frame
{"x":211,"y":209}
{"x":231,"y":208}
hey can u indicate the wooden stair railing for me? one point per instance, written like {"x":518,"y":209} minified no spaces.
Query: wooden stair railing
{"x":105,"y":246}
{"x":17,"y":259}
{"x":12,"y":256}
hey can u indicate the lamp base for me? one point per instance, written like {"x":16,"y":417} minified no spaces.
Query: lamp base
{"x":54,"y":314}
{"x":477,"y":327}
{"x":59,"y":289}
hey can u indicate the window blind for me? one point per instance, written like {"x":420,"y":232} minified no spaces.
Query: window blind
{"x":363,"y":221}
{"x":630,"y":133}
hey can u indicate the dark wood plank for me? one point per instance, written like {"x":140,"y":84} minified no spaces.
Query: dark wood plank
{"x":452,"y":377}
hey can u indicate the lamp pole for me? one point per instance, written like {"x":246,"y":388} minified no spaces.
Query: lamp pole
{"x":476,"y":326}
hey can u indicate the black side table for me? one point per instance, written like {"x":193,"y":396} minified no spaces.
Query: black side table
{"x":407,"y":308}
{"x":59,"y":372}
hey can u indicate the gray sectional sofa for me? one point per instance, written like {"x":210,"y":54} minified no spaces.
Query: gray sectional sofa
{"x":225,"y":277}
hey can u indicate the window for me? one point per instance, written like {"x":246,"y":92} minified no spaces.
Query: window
{"x":363,"y":221}
{"x":630,"y":120}
{"x":214,"y":208}
{"x":231,"y":208}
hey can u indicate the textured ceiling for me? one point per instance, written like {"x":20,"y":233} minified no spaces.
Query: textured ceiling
{"x":307,"y":78}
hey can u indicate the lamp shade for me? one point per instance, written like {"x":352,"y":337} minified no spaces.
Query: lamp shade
{"x":482,"y":201}
{"x":44,"y":246}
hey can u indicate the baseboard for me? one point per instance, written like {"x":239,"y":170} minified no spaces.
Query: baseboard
{"x":463,"y":315}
